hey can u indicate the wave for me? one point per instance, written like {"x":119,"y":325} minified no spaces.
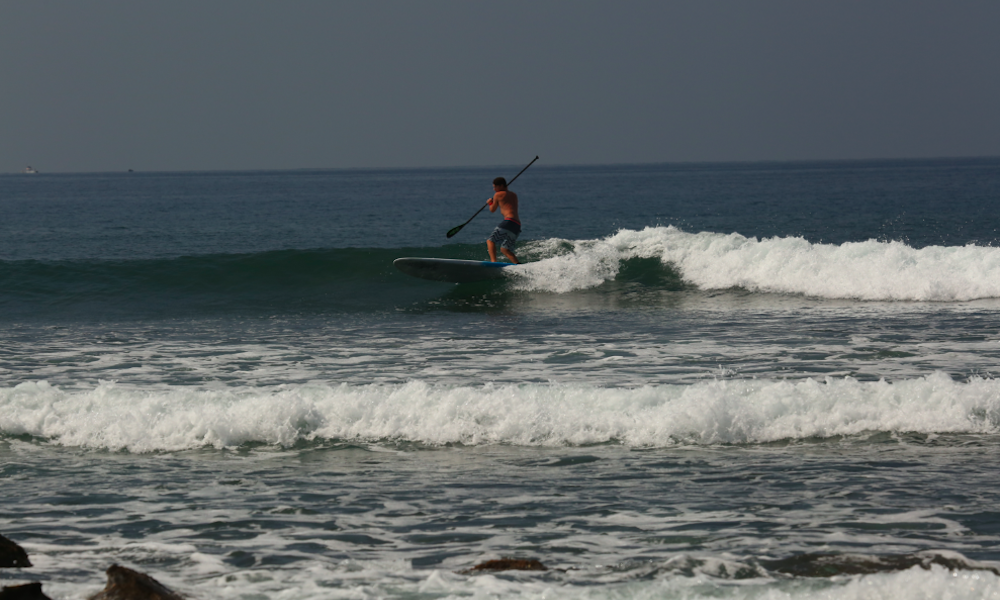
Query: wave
{"x":662,"y":259}
{"x":870,"y":270}
{"x":282,"y":280}
{"x":707,"y":413}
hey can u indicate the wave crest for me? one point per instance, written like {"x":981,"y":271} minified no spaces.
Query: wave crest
{"x":870,"y":270}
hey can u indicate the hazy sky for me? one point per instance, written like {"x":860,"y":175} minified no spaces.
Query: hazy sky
{"x":109,"y":85}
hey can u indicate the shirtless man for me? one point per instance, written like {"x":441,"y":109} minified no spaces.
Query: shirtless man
{"x":507,"y":231}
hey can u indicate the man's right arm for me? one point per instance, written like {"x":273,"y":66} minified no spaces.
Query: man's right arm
{"x":494,"y":202}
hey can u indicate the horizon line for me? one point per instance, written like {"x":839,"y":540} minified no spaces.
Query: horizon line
{"x":501,"y":165}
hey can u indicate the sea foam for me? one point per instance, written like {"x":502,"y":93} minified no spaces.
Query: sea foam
{"x":711,"y":412}
{"x":869,"y":270}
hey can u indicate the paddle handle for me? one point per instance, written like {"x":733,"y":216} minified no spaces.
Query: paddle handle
{"x":519,"y":173}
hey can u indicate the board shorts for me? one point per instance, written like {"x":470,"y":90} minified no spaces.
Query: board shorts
{"x":506,"y":234}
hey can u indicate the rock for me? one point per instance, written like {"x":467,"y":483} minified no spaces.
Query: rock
{"x":829,"y":565}
{"x":28,"y":591}
{"x":510,"y":564}
{"x":126,"y":584}
{"x":12,"y":555}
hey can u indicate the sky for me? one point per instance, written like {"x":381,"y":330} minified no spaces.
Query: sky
{"x":242,"y":84}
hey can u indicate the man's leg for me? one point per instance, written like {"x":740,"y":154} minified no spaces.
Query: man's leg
{"x":510,"y":255}
{"x":491,"y":247}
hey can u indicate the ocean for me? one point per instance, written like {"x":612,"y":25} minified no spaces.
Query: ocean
{"x":741,"y":380}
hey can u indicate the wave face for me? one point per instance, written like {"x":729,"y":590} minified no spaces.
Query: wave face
{"x":663,"y":259}
{"x":707,"y":413}
{"x":282,"y":280}
{"x":871,"y":270}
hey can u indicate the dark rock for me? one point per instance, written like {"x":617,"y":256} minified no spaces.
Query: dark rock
{"x":829,"y":565}
{"x":510,"y":564}
{"x":28,"y":591}
{"x":12,"y":555}
{"x":126,"y":584}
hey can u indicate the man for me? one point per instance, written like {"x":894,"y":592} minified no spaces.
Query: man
{"x":507,"y":231}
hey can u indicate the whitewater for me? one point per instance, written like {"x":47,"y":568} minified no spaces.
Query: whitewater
{"x":718,"y":412}
{"x":870,"y":270}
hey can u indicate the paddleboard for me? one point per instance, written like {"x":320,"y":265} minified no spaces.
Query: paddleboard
{"x":451,"y":270}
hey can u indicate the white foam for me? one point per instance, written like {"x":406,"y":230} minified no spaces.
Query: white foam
{"x":915,"y":583}
{"x":711,"y":412}
{"x":870,"y":270}
{"x":395,"y":579}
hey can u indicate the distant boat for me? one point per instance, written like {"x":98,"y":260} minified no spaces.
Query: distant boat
{"x":30,"y":170}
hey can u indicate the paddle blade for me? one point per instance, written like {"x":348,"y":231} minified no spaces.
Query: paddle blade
{"x":455,"y":230}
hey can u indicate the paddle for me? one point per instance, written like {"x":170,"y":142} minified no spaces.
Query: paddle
{"x":455,"y":230}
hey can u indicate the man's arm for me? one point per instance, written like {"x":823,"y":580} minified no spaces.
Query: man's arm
{"x":495,"y":201}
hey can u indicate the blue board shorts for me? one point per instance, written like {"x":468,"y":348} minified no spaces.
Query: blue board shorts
{"x":506,"y":234}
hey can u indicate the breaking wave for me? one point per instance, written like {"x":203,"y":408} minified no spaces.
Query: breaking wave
{"x":708,"y":413}
{"x":659,"y":259}
{"x":870,"y":270}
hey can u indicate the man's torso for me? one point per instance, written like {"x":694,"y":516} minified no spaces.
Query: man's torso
{"x":508,"y":205}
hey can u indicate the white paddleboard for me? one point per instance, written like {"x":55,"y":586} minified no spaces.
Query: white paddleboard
{"x":451,"y":270}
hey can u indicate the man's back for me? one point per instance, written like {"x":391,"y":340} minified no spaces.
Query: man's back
{"x":508,"y":204}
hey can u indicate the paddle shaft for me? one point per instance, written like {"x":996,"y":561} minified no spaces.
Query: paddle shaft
{"x":455,"y":230}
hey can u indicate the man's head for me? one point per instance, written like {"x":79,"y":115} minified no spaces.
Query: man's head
{"x":500,"y":182}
